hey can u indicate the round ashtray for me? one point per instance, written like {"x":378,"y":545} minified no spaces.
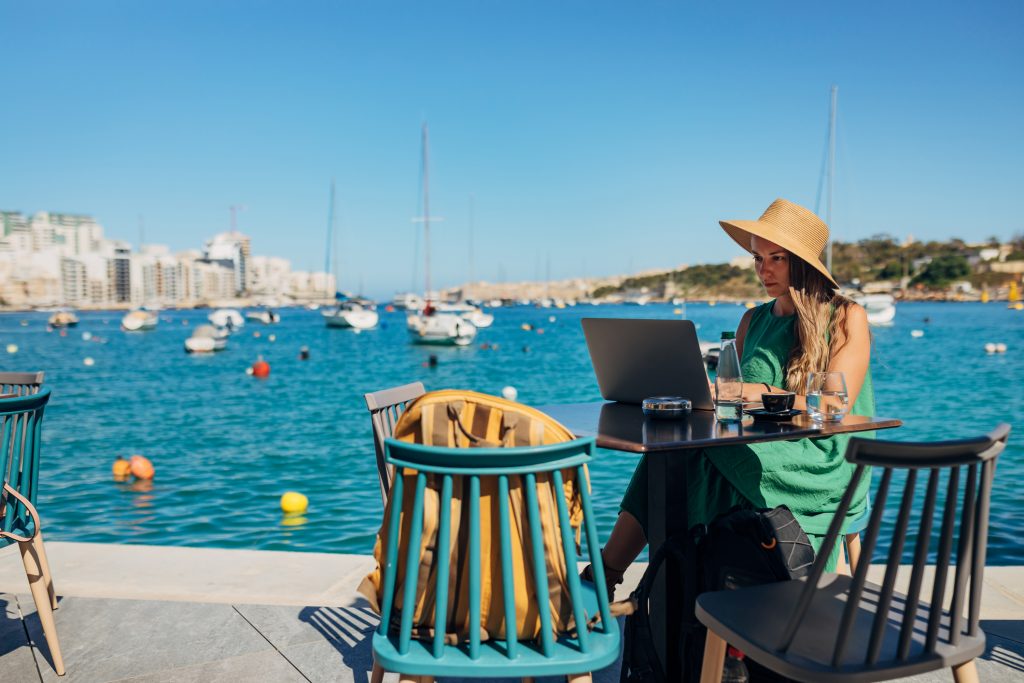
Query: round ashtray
{"x":666,"y":407}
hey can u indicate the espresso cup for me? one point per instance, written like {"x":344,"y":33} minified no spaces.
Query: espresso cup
{"x":778,"y":402}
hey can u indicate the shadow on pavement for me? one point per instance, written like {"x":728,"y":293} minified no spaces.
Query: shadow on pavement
{"x":350,"y":631}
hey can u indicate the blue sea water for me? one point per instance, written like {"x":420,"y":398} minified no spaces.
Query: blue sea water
{"x":226,"y":445}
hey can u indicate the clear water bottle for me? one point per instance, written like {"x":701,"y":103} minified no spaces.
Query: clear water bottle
{"x":728,"y":381}
{"x":734,"y":670}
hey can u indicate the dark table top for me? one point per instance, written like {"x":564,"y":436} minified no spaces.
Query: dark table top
{"x":623,"y":427}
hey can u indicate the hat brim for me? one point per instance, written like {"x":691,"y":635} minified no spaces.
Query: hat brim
{"x":740,"y":232}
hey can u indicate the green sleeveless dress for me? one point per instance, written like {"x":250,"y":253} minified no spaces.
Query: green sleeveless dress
{"x":809,"y":476}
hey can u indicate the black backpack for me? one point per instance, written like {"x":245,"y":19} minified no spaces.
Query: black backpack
{"x":741,"y":547}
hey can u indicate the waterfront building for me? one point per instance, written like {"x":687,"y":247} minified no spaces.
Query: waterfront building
{"x":269,"y":276}
{"x":232,"y":250}
{"x":119,"y":273}
{"x":311,"y":285}
{"x":51,"y":258}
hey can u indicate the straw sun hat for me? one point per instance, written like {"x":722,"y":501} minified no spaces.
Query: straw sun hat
{"x":792,"y":227}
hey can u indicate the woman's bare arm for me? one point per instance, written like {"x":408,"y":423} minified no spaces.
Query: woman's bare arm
{"x":855,"y":356}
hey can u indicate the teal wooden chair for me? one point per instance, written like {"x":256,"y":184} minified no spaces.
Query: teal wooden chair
{"x":21,"y":421}
{"x":394,"y":647}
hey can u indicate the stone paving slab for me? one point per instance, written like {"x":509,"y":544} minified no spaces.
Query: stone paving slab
{"x":16,"y":660}
{"x":138,"y":613}
{"x":193,"y":574}
{"x":108,"y":640}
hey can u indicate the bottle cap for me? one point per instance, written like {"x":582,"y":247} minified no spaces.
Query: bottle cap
{"x":728,"y":334}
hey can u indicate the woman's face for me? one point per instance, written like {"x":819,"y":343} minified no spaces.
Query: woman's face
{"x":771,"y":262}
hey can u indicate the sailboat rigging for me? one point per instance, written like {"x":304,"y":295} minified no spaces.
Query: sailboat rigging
{"x":433,"y":326}
{"x":356,"y":314}
{"x":880,"y":307}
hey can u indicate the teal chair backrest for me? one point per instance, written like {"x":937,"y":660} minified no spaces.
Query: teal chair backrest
{"x":502,"y":464}
{"x":21,"y":421}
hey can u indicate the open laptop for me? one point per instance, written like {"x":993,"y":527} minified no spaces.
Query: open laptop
{"x":637,"y":359}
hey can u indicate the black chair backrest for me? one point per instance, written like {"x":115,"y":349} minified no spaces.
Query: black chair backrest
{"x":20,"y":383}
{"x":385,"y":406}
{"x":966,"y":528}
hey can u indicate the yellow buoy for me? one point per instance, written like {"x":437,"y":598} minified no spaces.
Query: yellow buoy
{"x":294,"y":503}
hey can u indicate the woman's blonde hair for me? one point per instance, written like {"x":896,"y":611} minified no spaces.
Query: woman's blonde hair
{"x":820,"y":323}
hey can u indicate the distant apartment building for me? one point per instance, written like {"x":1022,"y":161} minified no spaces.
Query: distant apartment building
{"x":50,"y":258}
{"x":269,"y":276}
{"x":315,"y":285}
{"x":231,"y":250}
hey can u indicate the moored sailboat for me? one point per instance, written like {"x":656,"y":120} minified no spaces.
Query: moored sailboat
{"x":880,"y":308}
{"x":432,"y":326}
{"x":356,"y":314}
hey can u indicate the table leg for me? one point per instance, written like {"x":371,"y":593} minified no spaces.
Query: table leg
{"x":667,"y":518}
{"x":657,"y":476}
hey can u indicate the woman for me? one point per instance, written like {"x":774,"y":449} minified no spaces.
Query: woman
{"x":807,"y":327}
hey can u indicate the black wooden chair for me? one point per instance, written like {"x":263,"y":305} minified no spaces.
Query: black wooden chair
{"x":20,"y":383}
{"x":841,"y":628}
{"x":385,"y":406}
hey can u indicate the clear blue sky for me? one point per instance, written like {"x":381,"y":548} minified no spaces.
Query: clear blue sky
{"x":600,"y":137}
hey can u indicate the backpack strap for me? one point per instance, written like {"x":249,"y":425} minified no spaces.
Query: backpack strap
{"x":640,"y":660}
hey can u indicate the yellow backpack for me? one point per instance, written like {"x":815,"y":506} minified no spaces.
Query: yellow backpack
{"x":466,"y":419}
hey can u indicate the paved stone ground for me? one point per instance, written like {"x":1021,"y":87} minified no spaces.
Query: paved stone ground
{"x":207,"y":618}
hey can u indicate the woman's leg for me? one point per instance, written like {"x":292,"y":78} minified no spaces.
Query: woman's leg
{"x":624,"y":544}
{"x":628,"y":536}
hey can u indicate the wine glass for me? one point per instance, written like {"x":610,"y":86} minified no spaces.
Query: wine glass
{"x":827,"y":398}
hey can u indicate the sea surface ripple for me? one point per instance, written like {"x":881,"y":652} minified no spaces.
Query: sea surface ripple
{"x":226,"y":445}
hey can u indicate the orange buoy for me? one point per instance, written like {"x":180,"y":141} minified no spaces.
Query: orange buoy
{"x":141,"y":467}
{"x":122,"y":469}
{"x":261,"y":368}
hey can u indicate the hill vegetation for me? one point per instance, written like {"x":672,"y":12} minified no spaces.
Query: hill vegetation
{"x":921,"y":266}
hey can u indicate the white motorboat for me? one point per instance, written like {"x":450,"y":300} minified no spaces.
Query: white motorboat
{"x":265,"y":316}
{"x":139,"y":321}
{"x":468,"y":311}
{"x":408,"y":302}
{"x":207,"y":339}
{"x":479,"y":319}
{"x":352,"y":315}
{"x":228,"y":318}
{"x":881,"y":308}
{"x":63,"y":318}
{"x":445,"y":329}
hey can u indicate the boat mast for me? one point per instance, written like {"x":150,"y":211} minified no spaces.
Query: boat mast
{"x":472,"y":217}
{"x":330,"y":237}
{"x":426,"y":211}
{"x":831,"y":171}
